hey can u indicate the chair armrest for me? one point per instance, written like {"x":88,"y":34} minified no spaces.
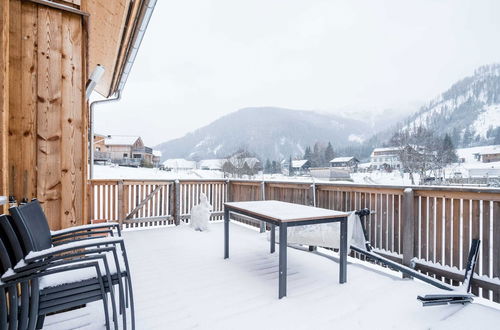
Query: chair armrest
{"x":40,"y":255}
{"x":62,"y":266}
{"x":71,"y":230}
{"x":81,"y":236}
{"x":23,"y":266}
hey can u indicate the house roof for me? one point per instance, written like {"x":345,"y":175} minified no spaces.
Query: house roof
{"x":299,"y":163}
{"x":212,"y":163}
{"x":179,"y":163}
{"x":121,"y":140}
{"x":487,"y":150}
{"x":251,"y":161}
{"x":342,"y":159}
{"x":115,"y":31}
{"x":157,"y":153}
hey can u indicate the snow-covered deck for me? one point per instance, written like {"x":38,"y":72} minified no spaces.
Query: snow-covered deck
{"x":181,"y":281}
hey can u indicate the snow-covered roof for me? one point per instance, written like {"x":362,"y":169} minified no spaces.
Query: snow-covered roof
{"x":490,"y":150}
{"x":212,"y":164}
{"x":299,"y":163}
{"x":386,"y":149}
{"x":157,"y":153}
{"x":121,"y":140}
{"x":342,"y":159}
{"x":179,"y":163}
{"x":251,"y":161}
{"x":468,"y":154}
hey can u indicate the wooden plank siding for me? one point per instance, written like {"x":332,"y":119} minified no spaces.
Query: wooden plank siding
{"x":48,"y":114}
{"x":4,"y":100}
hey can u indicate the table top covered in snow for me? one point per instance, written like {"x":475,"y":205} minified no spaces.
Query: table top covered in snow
{"x":285,"y":212}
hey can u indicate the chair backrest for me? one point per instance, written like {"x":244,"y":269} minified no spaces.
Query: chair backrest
{"x":10,"y":239}
{"x":4,"y":259}
{"x":32,"y":218}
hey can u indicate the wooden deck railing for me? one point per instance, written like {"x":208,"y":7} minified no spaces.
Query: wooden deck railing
{"x":429,"y":228}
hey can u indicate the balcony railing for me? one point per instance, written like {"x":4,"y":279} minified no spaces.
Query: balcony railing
{"x":428,"y":227}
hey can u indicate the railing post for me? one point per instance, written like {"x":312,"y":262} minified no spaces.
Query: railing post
{"x":229,"y":197}
{"x":263,"y":197}
{"x":121,"y":204}
{"x":408,"y":227}
{"x":312,"y":201}
{"x":177,"y":202}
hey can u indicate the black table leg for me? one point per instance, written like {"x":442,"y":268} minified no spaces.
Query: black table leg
{"x":273,"y":238}
{"x":282,"y":260}
{"x":343,"y":251}
{"x":226,"y":233}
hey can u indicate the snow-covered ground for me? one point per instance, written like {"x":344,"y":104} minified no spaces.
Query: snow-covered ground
{"x":120,"y":172}
{"x":181,"y":281}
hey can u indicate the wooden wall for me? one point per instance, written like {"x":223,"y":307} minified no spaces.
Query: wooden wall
{"x":48,"y":113}
{"x":4,"y":98}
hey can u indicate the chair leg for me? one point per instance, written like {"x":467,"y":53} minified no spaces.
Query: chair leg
{"x":126,"y":294}
{"x":132,"y":308}
{"x":35,"y":299}
{"x":104,"y":299}
{"x":39,"y":322}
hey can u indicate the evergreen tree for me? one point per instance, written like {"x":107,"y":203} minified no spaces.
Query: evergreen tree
{"x":318,"y":156}
{"x":275,"y":167}
{"x":467,"y":138}
{"x":290,"y":167}
{"x":267,"y":167}
{"x":448,"y":152}
{"x":308,"y":154}
{"x":497,"y":136}
{"x":329,"y":155}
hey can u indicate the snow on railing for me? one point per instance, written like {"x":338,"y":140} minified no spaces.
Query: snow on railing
{"x":439,"y":229}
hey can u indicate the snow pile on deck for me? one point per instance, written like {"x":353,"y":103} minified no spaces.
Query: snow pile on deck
{"x":181,"y":281}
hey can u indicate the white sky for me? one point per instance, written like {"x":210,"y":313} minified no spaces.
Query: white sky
{"x":202,"y":59}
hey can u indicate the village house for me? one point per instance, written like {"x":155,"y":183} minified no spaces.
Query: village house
{"x":350,"y":163}
{"x":301,"y":166}
{"x":381,"y":158}
{"x":124,"y":150}
{"x":179,"y":164}
{"x":490,"y":154}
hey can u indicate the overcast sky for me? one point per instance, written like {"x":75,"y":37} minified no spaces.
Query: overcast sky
{"x":202,"y":59}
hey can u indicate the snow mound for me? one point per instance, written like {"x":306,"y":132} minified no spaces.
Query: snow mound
{"x":200,"y":214}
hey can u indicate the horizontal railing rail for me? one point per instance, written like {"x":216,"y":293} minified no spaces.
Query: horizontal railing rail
{"x":426,"y":227}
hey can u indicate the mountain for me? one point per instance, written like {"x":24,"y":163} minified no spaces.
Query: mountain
{"x":269,"y":132}
{"x":469,"y":111}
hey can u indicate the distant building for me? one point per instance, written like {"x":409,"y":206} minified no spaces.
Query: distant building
{"x":124,"y":151}
{"x":156,"y":158}
{"x":385,"y":157}
{"x":331,"y":173}
{"x":211,"y":164}
{"x":490,"y":154}
{"x":179,"y":164}
{"x":301,"y":166}
{"x":345,"y":162}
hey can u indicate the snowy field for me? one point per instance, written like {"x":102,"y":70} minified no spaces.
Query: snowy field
{"x":181,"y":281}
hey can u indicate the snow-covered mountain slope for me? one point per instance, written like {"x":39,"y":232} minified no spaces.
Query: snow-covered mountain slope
{"x":469,"y":110}
{"x":269,"y":132}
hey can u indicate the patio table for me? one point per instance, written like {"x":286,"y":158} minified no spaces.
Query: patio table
{"x":286,"y":215}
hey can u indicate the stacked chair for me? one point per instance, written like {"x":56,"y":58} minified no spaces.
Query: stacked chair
{"x":46,"y":272}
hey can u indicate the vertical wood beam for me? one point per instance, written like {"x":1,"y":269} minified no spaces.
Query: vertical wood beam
{"x":49,"y":114}
{"x":177,"y":203}
{"x":408,"y":227}
{"x":4,"y":100}
{"x":121,"y":203}
{"x":72,"y":112}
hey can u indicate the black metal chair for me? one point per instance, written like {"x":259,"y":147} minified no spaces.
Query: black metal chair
{"x":35,"y":235}
{"x":82,"y":288}
{"x":19,"y":292}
